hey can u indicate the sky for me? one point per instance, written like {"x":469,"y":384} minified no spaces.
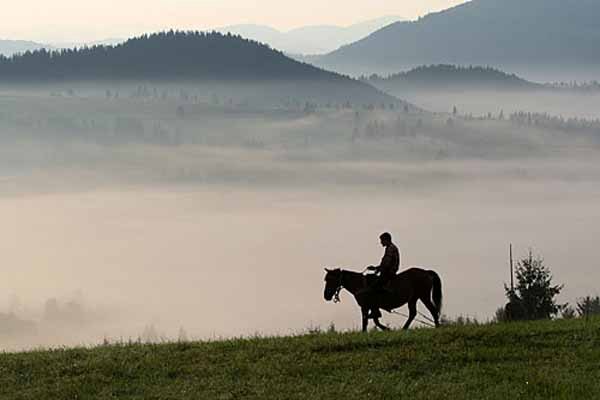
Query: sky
{"x":76,"y":20}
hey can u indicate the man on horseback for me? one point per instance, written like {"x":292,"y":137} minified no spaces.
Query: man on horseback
{"x":390,"y":263}
{"x":386,"y":290}
{"x":387,"y":269}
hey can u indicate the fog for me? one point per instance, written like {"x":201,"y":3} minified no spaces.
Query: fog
{"x":199,"y":215}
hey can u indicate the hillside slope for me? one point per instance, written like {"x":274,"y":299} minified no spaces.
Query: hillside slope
{"x":505,"y":33}
{"x":537,"y":360}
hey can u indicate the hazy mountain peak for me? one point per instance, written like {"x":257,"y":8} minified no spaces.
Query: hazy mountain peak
{"x":311,"y":39}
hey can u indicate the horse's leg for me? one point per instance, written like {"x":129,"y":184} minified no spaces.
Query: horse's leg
{"x":380,"y":325}
{"x":365,"y":318}
{"x":433,"y":310}
{"x":375,"y":313}
{"x":412,"y":313}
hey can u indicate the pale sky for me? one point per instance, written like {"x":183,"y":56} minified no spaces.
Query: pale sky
{"x":85,"y":20}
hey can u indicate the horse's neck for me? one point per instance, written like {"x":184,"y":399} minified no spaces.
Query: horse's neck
{"x":353,"y":281}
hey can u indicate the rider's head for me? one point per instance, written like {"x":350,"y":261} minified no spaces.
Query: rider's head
{"x":386,"y":239}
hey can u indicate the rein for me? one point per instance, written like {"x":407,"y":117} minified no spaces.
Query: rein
{"x":336,"y":295}
{"x":424,"y":322}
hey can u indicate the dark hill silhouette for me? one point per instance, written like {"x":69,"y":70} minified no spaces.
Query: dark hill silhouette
{"x":450,"y":77}
{"x":504,"y":33}
{"x":188,"y":56}
{"x":169,"y":55}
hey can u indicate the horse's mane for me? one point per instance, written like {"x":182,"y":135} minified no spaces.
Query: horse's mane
{"x":349,"y":271}
{"x":343,"y":270}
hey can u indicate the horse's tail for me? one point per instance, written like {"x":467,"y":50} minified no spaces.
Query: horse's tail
{"x":436,"y":291}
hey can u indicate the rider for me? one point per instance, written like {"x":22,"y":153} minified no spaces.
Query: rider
{"x":390,"y":262}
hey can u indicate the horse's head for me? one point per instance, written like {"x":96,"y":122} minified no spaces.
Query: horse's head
{"x":333,"y":282}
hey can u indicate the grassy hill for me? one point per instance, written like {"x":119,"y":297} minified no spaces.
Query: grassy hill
{"x":536,"y":360}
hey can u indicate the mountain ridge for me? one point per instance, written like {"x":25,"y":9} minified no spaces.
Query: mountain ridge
{"x":508,"y":34}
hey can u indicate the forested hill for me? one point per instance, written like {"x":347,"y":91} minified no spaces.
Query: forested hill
{"x":191,"y":57}
{"x":443,"y":76}
{"x":162,"y":55}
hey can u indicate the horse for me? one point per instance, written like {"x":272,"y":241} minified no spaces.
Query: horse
{"x":407,"y":287}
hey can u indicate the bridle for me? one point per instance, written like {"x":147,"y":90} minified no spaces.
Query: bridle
{"x":340,"y":286}
{"x":336,"y":295}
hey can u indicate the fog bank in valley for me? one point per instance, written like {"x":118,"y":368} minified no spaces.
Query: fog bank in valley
{"x":166,"y":212}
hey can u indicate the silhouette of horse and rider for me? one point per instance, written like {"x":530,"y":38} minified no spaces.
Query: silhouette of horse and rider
{"x":387,"y":290}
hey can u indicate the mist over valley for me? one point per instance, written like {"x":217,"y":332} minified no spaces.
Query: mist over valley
{"x":194,"y":185}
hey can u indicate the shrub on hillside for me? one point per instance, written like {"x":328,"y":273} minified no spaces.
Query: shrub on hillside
{"x":534,"y":296}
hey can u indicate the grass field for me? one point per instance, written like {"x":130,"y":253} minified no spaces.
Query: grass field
{"x":537,"y":360}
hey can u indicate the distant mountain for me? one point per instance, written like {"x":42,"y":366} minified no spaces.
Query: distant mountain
{"x":317,"y":39}
{"x":520,"y":35}
{"x":190,"y":56}
{"x":10,"y":47}
{"x":450,"y":78}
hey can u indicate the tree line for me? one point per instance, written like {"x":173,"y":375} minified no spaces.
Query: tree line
{"x":547,"y":121}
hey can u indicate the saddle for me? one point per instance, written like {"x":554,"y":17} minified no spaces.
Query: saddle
{"x":371,"y":279}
